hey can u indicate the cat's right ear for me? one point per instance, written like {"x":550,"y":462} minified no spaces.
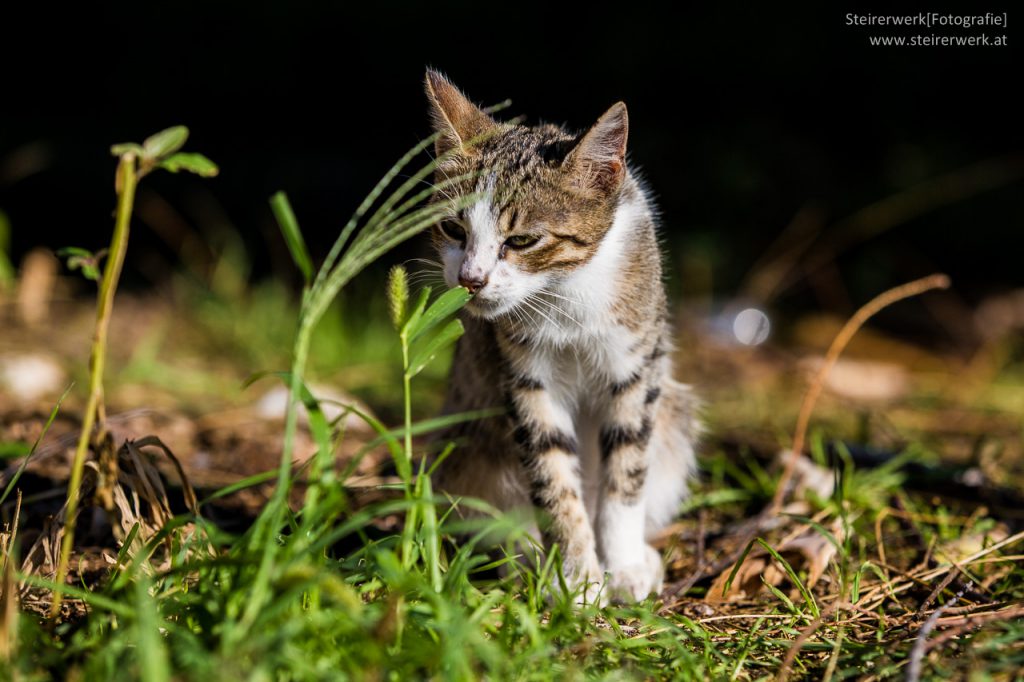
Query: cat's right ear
{"x":458,"y":122}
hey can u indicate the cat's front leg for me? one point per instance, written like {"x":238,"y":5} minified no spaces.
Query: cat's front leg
{"x":634,"y":567}
{"x":550,"y":455}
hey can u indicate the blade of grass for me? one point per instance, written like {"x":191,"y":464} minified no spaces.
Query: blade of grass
{"x":286,"y":220}
{"x":804,"y":592}
{"x":42,"y":434}
{"x":424,"y":354}
{"x":446,"y":305}
{"x":151,"y":651}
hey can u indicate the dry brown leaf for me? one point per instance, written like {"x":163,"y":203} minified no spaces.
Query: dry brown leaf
{"x":809,"y":552}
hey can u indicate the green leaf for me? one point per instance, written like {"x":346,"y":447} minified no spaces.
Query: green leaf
{"x":449,"y":302}
{"x":781,"y":596}
{"x":418,"y":429}
{"x":422,"y":357}
{"x":247,"y":482}
{"x":285,"y":217}
{"x":74,"y":251}
{"x":89,"y":269}
{"x":84,"y":260}
{"x":824,"y":532}
{"x":151,"y":653}
{"x":804,"y":592}
{"x":417,"y":311}
{"x":383,"y":436}
{"x":126,"y":148}
{"x":736,"y":567}
{"x":126,"y":547}
{"x":190,"y":162}
{"x":855,"y":590}
{"x":14,"y":449}
{"x":318,"y":425}
{"x":165,"y":142}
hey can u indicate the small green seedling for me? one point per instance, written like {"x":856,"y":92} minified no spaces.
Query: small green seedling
{"x":134,"y":162}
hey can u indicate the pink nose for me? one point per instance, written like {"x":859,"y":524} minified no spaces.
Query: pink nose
{"x":472,"y":284}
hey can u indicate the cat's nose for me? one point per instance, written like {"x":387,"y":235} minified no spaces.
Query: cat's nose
{"x":472,"y":284}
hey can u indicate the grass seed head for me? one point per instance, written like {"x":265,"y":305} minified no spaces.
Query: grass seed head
{"x":398,"y":294}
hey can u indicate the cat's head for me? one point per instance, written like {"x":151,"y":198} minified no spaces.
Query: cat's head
{"x":546,"y":198}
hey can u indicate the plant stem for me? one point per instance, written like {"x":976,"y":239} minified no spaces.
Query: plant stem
{"x":407,"y":391}
{"x":405,"y":465}
{"x":125,"y":183}
{"x":868,"y":310}
{"x":261,"y":584}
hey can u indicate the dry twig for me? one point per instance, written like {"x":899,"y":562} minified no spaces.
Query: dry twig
{"x":876,"y":304}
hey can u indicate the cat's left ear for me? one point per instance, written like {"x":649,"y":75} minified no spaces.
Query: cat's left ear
{"x":597,"y":164}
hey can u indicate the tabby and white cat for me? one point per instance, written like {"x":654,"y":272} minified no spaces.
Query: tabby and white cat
{"x":567,"y":328}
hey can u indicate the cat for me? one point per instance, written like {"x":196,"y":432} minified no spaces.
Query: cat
{"x":568,"y":329}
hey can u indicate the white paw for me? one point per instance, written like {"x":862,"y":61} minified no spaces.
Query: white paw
{"x":585,"y":579}
{"x":633,"y":582}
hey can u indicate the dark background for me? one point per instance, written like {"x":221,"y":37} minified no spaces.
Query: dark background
{"x":740,"y":117}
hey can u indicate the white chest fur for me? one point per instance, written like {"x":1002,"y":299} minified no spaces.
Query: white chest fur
{"x":577,"y":343}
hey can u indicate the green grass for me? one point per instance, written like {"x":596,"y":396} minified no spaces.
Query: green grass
{"x":380,"y":611}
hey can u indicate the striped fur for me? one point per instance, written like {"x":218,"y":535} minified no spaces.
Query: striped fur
{"x":568,"y":330}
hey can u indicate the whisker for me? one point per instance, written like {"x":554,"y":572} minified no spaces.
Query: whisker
{"x":431,"y":281}
{"x":420,"y":274}
{"x":545,"y":305}
{"x":431,"y":268}
{"x":518,"y":322}
{"x":531,"y":306}
{"x":554,"y":308}
{"x":427,"y":261}
{"x":548,"y":292}
{"x":427,"y":271}
{"x":520,"y":317}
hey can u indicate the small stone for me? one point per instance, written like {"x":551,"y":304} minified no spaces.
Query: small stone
{"x":31,"y":376}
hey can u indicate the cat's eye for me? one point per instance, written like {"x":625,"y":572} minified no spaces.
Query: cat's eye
{"x":522,"y":241}
{"x":453,"y":230}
